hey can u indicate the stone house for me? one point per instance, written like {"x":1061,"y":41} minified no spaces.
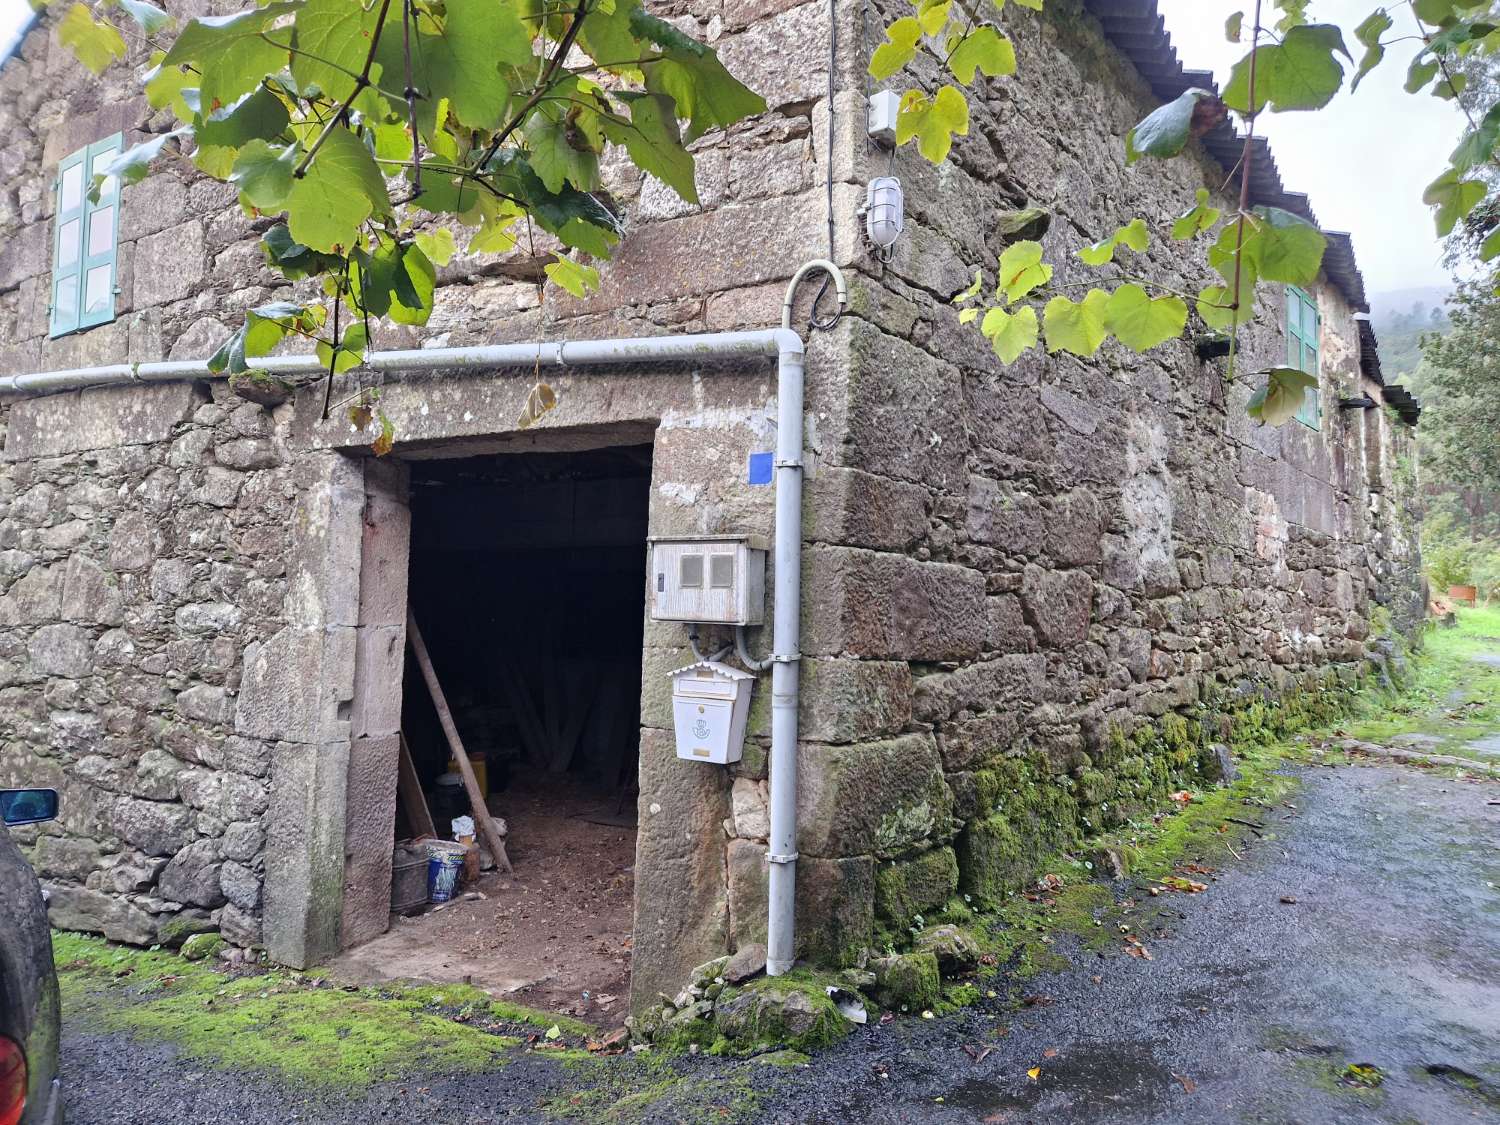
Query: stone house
{"x":1030,"y":594}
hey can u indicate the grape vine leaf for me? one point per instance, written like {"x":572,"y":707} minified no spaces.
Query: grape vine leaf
{"x":1166,"y":130}
{"x":131,"y":166}
{"x":579,"y":280}
{"x":148,"y":17}
{"x":263,"y":173}
{"x":1300,"y":72}
{"x":1009,"y":334}
{"x":1451,"y":198}
{"x":340,"y":190}
{"x":95,"y":43}
{"x":932,"y":122}
{"x":1279,"y":400}
{"x":1368,"y":33}
{"x":1141,"y":322}
{"x":984,"y":49}
{"x":1076,"y":326}
{"x":1197,"y":219}
{"x":234,"y":53}
{"x":1021,"y":271}
{"x":900,"y":48}
{"x":1133,"y":234}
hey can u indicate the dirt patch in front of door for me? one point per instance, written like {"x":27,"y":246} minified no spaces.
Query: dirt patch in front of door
{"x":555,"y":936}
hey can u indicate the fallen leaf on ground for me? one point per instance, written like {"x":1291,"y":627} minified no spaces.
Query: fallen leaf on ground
{"x":1034,"y":1073}
{"x":1288,"y":899}
{"x":978,"y":1054}
{"x":1185,"y":885}
{"x":1187,"y":1083}
{"x":1050,"y":882}
{"x":1134,"y":947}
{"x":1035,"y":1001}
{"x":1050,"y":1053}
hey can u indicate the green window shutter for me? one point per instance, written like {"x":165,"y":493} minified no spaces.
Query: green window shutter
{"x":85,"y":241}
{"x":1303,"y":339}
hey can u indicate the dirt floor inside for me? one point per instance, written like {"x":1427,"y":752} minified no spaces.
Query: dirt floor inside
{"x":556,"y":935}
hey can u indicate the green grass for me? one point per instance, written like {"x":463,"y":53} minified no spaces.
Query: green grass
{"x":1453,"y":698}
{"x":293,"y":1025}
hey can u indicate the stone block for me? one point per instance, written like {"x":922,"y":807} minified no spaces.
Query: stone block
{"x":835,"y":902}
{"x":240,"y":885}
{"x":905,"y":411}
{"x":379,"y":665}
{"x":877,"y":798}
{"x":752,"y":818}
{"x":62,"y":650}
{"x":157,"y":202}
{"x":368,"y":830}
{"x":191,"y":876}
{"x":91,"y":594}
{"x":25,"y":252}
{"x":386,"y":546}
{"x":853,"y":508}
{"x":877,"y":605}
{"x":304,"y":866}
{"x":172,"y":264}
{"x":909,"y":887}
{"x":206,"y":703}
{"x":294,"y":685}
{"x":93,"y":912}
{"x":681,"y":897}
{"x":1000,"y":515}
{"x":1006,"y":629}
{"x":155,"y":828}
{"x":65,"y":857}
{"x":853,"y":700}
{"x":98,"y":418}
{"x":1058,"y":605}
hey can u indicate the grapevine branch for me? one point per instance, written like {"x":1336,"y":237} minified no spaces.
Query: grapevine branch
{"x":360,"y":83}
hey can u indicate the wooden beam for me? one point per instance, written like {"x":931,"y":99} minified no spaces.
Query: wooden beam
{"x":409,"y":787}
{"x":488,"y":832}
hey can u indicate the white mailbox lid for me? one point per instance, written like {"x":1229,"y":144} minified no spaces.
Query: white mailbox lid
{"x":708,"y":677}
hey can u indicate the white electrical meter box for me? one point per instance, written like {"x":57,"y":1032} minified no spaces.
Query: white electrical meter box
{"x":714,"y":579}
{"x":710,"y":703}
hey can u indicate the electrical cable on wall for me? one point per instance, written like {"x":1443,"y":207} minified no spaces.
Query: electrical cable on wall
{"x":823,"y":324}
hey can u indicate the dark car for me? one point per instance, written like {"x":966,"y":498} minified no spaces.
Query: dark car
{"x":30,"y":1092}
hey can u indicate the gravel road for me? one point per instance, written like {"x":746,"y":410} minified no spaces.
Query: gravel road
{"x":1250,"y":1010}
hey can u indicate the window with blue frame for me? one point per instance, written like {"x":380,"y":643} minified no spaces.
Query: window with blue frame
{"x":1302,"y":348}
{"x":85,"y":241}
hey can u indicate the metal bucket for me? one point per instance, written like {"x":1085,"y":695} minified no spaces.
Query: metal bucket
{"x":408,"y":879}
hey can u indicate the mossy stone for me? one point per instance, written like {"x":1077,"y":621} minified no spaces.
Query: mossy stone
{"x":908,"y":887}
{"x":907,"y":981}
{"x":202,"y":947}
{"x":791,"y":1012}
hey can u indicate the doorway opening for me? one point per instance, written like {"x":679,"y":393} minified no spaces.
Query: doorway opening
{"x":527,"y":580}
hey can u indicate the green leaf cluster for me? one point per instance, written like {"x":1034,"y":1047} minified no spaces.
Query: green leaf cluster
{"x":358,"y":123}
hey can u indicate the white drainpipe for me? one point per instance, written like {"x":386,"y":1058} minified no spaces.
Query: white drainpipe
{"x":781,"y":342}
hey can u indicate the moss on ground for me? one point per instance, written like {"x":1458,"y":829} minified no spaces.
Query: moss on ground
{"x":294,"y":1025}
{"x":624,"y":1090}
{"x":1452,"y":698}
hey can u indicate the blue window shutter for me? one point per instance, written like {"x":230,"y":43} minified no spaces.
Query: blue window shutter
{"x":67,"y":242}
{"x":101,"y":250}
{"x":1303,"y":346}
{"x":85,"y":242}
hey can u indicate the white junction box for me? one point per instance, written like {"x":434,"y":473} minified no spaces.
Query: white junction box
{"x":710,"y":703}
{"x":715,"y":579}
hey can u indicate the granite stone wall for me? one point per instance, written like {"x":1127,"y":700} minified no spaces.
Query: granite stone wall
{"x":1033,"y":595}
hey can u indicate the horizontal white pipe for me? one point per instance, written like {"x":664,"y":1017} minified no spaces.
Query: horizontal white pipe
{"x":563,"y":353}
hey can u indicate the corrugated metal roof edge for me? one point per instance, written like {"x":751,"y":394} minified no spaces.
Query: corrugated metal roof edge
{"x":1137,"y":29}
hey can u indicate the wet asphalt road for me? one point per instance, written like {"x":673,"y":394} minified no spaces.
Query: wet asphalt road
{"x":1248,"y":1011}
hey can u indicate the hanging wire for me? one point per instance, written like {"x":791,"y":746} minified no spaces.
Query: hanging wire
{"x":824,"y":323}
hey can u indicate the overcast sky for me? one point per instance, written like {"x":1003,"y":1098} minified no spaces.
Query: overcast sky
{"x":1364,"y":160}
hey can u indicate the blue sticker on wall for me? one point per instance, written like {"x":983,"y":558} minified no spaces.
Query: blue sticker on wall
{"x":761,"y":468}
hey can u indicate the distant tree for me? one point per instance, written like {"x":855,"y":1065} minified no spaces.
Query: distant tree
{"x":1463,"y":419}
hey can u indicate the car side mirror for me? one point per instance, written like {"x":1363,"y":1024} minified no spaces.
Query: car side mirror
{"x":27,"y":806}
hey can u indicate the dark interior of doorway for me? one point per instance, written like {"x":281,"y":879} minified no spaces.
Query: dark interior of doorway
{"x":527,"y":579}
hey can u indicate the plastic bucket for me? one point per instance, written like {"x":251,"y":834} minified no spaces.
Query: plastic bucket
{"x":443,"y":868}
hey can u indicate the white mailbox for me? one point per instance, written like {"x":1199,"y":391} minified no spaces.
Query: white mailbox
{"x":716,"y":579}
{"x":710,"y":703}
